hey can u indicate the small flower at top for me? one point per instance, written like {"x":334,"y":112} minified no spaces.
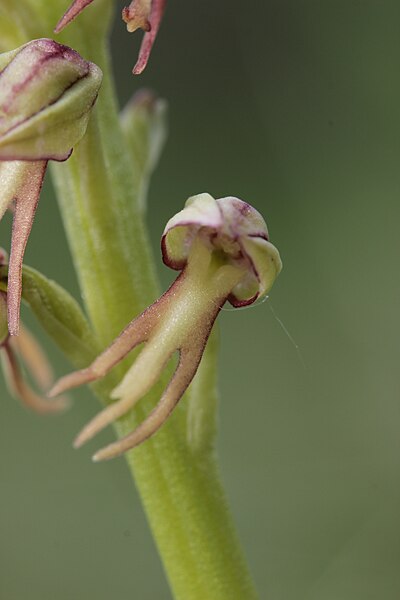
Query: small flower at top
{"x":47,"y":91}
{"x":140,"y":14}
{"x":223,"y":250}
{"x":25,"y":348}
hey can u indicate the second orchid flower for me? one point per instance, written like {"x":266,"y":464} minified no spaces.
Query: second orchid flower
{"x":223,"y":250}
{"x":47,"y":91}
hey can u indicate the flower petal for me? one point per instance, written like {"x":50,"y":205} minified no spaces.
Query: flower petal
{"x":136,"y":15}
{"x":241,"y":219}
{"x":266,"y":265}
{"x":200,"y":211}
{"x":266,"y":261}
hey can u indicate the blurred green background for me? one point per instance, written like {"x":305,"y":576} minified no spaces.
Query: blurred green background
{"x":292,"y":105}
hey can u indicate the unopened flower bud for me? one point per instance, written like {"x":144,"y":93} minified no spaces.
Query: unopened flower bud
{"x":222,"y":248}
{"x":46,"y":93}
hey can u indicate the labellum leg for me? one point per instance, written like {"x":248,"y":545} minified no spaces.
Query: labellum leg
{"x":156,"y":14}
{"x":25,"y":207}
{"x":188,"y":362}
{"x":143,"y":374}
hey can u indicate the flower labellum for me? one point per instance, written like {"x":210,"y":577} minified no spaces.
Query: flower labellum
{"x":47,"y":91}
{"x":222,"y":248}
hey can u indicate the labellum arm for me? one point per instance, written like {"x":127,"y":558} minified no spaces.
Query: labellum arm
{"x":135,"y":333}
{"x":73,"y":11}
{"x":155,"y":17}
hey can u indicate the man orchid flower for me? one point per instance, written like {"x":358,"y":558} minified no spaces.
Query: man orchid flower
{"x":140,"y":14}
{"x":222,"y":248}
{"x":46,"y":93}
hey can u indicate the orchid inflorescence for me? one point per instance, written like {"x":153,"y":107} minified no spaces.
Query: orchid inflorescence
{"x":222,"y":248}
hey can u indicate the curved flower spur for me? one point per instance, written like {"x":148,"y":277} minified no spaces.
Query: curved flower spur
{"x":46,"y":93}
{"x":222,"y":248}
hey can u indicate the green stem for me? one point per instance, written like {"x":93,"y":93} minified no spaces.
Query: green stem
{"x":180,"y":488}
